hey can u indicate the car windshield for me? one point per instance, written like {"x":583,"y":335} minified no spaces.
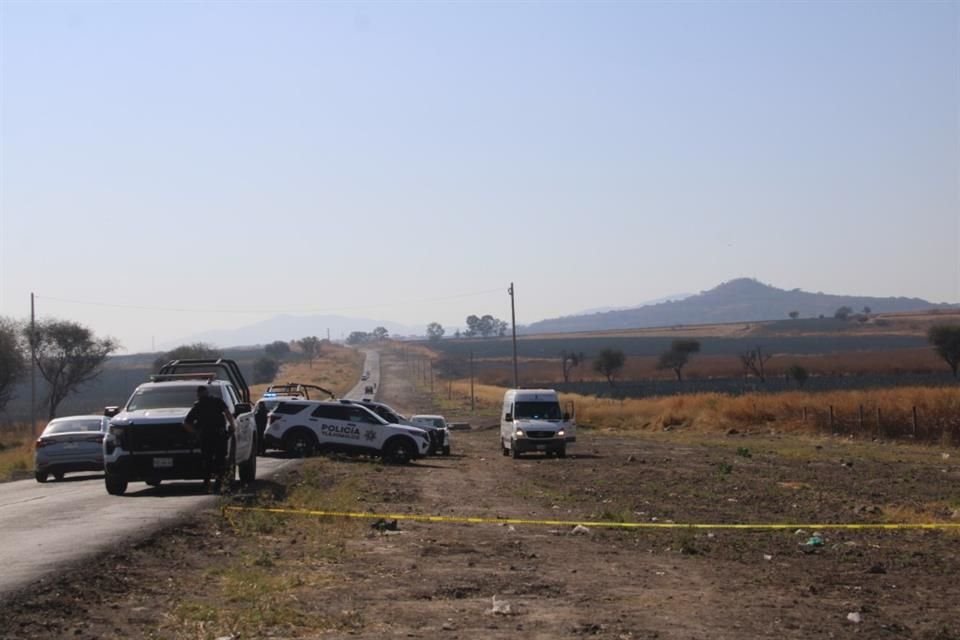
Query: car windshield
{"x":73,"y":426}
{"x":166,"y":397}
{"x":537,"y":411}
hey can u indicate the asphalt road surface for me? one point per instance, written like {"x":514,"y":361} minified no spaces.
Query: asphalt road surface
{"x":44,"y":527}
{"x":372,"y":368}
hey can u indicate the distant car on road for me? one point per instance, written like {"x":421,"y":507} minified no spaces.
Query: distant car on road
{"x":71,"y":443}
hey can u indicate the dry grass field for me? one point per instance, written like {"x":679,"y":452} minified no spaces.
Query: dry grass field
{"x":499,"y":371}
{"x":337,"y":369}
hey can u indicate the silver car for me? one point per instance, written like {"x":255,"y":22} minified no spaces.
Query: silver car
{"x":73,"y":443}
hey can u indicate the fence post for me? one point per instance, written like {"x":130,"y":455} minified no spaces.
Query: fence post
{"x":914,"y":421}
{"x":831,"y":418}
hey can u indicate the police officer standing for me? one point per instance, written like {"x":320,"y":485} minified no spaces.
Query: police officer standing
{"x":260,"y":418}
{"x":207,"y":415}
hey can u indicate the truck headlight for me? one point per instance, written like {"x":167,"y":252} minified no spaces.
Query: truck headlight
{"x":560,"y":433}
{"x":519,"y":433}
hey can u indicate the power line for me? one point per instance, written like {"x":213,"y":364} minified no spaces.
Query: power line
{"x":132,"y":307}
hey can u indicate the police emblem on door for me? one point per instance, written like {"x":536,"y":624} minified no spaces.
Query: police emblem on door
{"x":370,"y":435}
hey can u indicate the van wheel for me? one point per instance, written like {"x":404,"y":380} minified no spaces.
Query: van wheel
{"x":116,"y":485}
{"x":562,"y":453}
{"x":398,"y":451}
{"x":300,"y":443}
{"x":248,"y":469}
{"x":41,"y":476}
{"x":445,"y":451}
{"x":514,"y":452}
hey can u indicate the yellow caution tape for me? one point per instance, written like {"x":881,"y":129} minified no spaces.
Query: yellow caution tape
{"x":591,"y":523}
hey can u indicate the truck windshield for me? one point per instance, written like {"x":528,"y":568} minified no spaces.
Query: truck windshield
{"x":167,"y":397}
{"x":536,"y":411}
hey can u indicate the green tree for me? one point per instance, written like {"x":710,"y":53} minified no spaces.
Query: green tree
{"x":13,"y":360}
{"x":945,"y":339}
{"x":843,"y":313}
{"x":435,"y":331}
{"x":310,"y":346}
{"x":609,"y":363}
{"x":358,"y":337}
{"x":67,"y":356}
{"x":195,"y":351}
{"x":798,"y":374}
{"x":278,"y":349}
{"x":380,"y":334}
{"x":677,"y":356}
{"x":265,"y":370}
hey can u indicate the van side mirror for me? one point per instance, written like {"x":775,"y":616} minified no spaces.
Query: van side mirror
{"x":566,"y":416}
{"x":241,"y":407}
{"x":109,"y":412}
{"x":508,"y":417}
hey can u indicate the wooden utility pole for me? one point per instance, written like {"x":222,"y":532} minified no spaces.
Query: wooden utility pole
{"x":33,"y":368}
{"x":473,"y":405}
{"x":513,"y":322}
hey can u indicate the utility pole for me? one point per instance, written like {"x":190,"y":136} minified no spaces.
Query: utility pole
{"x":33,"y":368}
{"x":431,"y":377}
{"x":513,"y":319}
{"x":473,"y":406}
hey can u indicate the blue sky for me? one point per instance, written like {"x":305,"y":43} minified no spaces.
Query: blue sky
{"x":368,"y":159}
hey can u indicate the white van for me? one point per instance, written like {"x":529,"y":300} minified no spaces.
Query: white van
{"x":531,"y":420}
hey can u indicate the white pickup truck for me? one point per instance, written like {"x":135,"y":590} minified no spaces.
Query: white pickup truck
{"x":147,"y":441}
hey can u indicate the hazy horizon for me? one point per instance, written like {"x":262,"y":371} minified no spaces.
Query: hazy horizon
{"x":172,"y":168}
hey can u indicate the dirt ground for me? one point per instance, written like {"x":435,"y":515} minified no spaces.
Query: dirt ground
{"x":258,"y":575}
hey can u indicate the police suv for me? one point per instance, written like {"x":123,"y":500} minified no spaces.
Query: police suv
{"x":305,"y":427}
{"x":146,"y":440}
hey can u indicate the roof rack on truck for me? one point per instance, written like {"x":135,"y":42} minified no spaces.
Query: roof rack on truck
{"x":214,"y":367}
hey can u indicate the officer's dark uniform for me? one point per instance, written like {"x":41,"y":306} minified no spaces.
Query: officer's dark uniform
{"x":260,"y":418}
{"x":207,"y":415}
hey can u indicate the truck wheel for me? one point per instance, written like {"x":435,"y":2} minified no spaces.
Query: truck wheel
{"x":398,"y":451}
{"x":154,"y":483}
{"x":116,"y":485}
{"x":248,"y":469}
{"x":562,"y":452}
{"x":446,"y":450}
{"x":300,"y":443}
{"x":41,"y":476}
{"x":514,"y":452}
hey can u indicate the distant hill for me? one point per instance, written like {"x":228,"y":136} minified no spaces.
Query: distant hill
{"x":740,"y":300}
{"x":288,"y":327}
{"x":675,"y":297}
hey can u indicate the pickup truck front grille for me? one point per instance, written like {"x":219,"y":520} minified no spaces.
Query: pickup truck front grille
{"x":159,"y":437}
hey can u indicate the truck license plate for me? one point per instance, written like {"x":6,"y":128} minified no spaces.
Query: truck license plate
{"x":541,"y":447}
{"x":162,"y":463}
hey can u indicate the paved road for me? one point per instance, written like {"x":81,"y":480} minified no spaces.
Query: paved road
{"x":372,"y":368}
{"x":46,"y":526}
